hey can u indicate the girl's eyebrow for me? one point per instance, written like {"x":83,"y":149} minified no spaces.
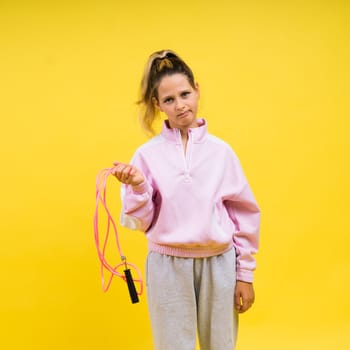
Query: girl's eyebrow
{"x":166,"y":97}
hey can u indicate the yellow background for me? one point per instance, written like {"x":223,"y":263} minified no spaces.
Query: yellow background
{"x":274,"y":79}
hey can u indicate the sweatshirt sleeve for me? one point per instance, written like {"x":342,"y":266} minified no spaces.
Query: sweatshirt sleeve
{"x":245,"y":214}
{"x":138,"y":207}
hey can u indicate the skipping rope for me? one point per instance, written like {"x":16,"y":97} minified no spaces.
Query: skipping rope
{"x":126,"y":276}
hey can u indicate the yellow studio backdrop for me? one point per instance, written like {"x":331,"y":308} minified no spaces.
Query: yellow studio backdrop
{"x":274,"y":80}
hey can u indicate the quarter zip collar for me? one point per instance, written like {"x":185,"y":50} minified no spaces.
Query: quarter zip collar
{"x":198,"y":134}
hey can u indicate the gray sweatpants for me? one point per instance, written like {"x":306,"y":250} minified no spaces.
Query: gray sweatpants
{"x":186,"y":295}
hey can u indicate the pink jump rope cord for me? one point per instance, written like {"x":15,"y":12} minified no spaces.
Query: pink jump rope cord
{"x":101,"y":181}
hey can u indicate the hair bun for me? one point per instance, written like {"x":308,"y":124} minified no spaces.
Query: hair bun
{"x":164,"y":63}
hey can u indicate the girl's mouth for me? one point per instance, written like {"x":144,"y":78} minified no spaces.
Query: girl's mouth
{"x":183,"y":114}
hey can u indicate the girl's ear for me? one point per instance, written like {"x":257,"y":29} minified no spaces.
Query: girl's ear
{"x":197,"y":89}
{"x":156,"y":103}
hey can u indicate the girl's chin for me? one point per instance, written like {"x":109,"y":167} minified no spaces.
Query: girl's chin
{"x":187,"y":121}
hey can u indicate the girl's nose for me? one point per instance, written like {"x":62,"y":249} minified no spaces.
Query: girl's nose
{"x":180,"y":104}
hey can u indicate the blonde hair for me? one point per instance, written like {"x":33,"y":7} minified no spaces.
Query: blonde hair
{"x":159,"y":64}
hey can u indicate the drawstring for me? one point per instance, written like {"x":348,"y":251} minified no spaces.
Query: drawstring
{"x":101,"y":181}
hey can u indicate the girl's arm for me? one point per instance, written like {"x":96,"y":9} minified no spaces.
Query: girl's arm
{"x":245,"y":215}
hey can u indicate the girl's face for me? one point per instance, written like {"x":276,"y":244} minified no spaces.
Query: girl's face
{"x":178,"y":100}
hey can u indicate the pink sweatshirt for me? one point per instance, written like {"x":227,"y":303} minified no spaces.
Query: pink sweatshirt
{"x":193,"y":204}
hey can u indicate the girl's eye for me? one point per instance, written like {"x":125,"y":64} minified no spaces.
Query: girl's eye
{"x":185,"y":93}
{"x":168,"y":100}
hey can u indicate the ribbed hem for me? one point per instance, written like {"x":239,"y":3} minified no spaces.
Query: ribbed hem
{"x":189,"y":252}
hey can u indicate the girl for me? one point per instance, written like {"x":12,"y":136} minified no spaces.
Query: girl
{"x":186,"y":190}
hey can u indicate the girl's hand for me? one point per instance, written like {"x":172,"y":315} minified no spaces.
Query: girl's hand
{"x":244,"y":296}
{"x":127,"y":174}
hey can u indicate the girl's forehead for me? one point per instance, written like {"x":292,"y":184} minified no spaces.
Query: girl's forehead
{"x":173,"y":83}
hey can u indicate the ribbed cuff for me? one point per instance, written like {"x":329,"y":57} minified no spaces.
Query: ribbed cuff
{"x":245,"y":275}
{"x":141,"y":188}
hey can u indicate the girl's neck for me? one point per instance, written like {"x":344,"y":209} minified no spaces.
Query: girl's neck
{"x":184,"y":138}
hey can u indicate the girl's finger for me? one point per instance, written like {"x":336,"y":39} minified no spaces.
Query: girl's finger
{"x":126,"y":174}
{"x":238,"y":301}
